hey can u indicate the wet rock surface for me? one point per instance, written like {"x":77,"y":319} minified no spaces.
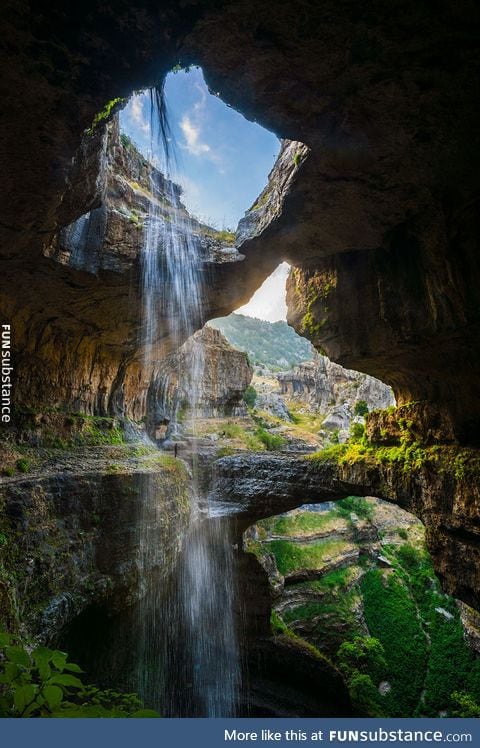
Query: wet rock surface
{"x":71,"y":533}
{"x":206,"y":375}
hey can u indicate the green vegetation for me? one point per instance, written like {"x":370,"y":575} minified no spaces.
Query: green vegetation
{"x":357,"y":432}
{"x":311,"y":422}
{"x":250,"y":396}
{"x":464,"y":705}
{"x":414,"y":645}
{"x":125,"y":140}
{"x":275,"y":345}
{"x":460,"y":462}
{"x":356,"y":504}
{"x":391,"y":617}
{"x":255,"y":439}
{"x":225,"y":235}
{"x":106,"y":113}
{"x":271,"y":442}
{"x":43,"y":683}
{"x":291,"y":556}
{"x":296,"y":523}
{"x":23,"y":465}
{"x":225,"y":451}
{"x":361,"y":408}
{"x":408,"y":456}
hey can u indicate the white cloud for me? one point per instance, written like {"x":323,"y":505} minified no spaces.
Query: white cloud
{"x":192,"y":124}
{"x":137,"y":116}
{"x":268,"y":302}
{"x":191,"y":133}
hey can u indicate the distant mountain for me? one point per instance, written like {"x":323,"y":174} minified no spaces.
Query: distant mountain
{"x":273,"y":344}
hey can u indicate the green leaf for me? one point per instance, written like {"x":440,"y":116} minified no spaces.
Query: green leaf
{"x":53,"y":695}
{"x":42,"y":656}
{"x":5,"y":639}
{"x":45,"y":671}
{"x":65,"y":680}
{"x":18,"y":656}
{"x":10,"y":672}
{"x":145,"y":713}
{"x":59,"y":659}
{"x":72,"y":667}
{"x":23,"y":696}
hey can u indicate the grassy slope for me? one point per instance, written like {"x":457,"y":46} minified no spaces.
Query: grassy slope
{"x":426,"y":656}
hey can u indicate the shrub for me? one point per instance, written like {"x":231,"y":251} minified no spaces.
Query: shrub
{"x":409,"y":557}
{"x":357,"y":432}
{"x":464,"y":705}
{"x":361,"y":408}
{"x":250,"y":396}
{"x":364,"y":695}
{"x":356,"y":504}
{"x":271,"y":441}
{"x":23,"y":465}
{"x":364,"y":654}
{"x":391,"y":617}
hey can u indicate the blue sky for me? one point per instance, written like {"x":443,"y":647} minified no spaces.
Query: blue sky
{"x":223,"y":160}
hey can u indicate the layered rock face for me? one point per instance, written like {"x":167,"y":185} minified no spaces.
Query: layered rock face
{"x":78,"y":537}
{"x":206,"y":375}
{"x":442,"y":489}
{"x":328,"y":388}
{"x":92,"y":282}
{"x":379,"y":220}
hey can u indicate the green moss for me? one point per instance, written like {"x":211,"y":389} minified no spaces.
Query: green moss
{"x":312,"y":288}
{"x":391,"y":617}
{"x":461,"y":463}
{"x":408,"y":456}
{"x":106,"y":113}
{"x":280,"y":629}
{"x":292,"y":556}
{"x":299,"y":523}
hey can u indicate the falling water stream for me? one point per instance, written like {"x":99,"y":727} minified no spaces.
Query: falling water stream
{"x":187,"y":651}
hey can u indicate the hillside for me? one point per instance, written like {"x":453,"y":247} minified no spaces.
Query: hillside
{"x":355,"y":580}
{"x":273,"y":344}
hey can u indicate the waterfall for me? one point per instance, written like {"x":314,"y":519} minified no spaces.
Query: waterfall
{"x":187,"y":652}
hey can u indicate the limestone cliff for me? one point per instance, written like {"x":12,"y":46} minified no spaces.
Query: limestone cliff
{"x":70,"y":535}
{"x":330,"y":389}
{"x":206,"y":374}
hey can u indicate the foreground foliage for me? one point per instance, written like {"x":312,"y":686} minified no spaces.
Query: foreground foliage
{"x":43,"y":683}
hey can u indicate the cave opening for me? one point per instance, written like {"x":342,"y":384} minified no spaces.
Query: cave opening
{"x":378,"y":189}
{"x":221,"y":160}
